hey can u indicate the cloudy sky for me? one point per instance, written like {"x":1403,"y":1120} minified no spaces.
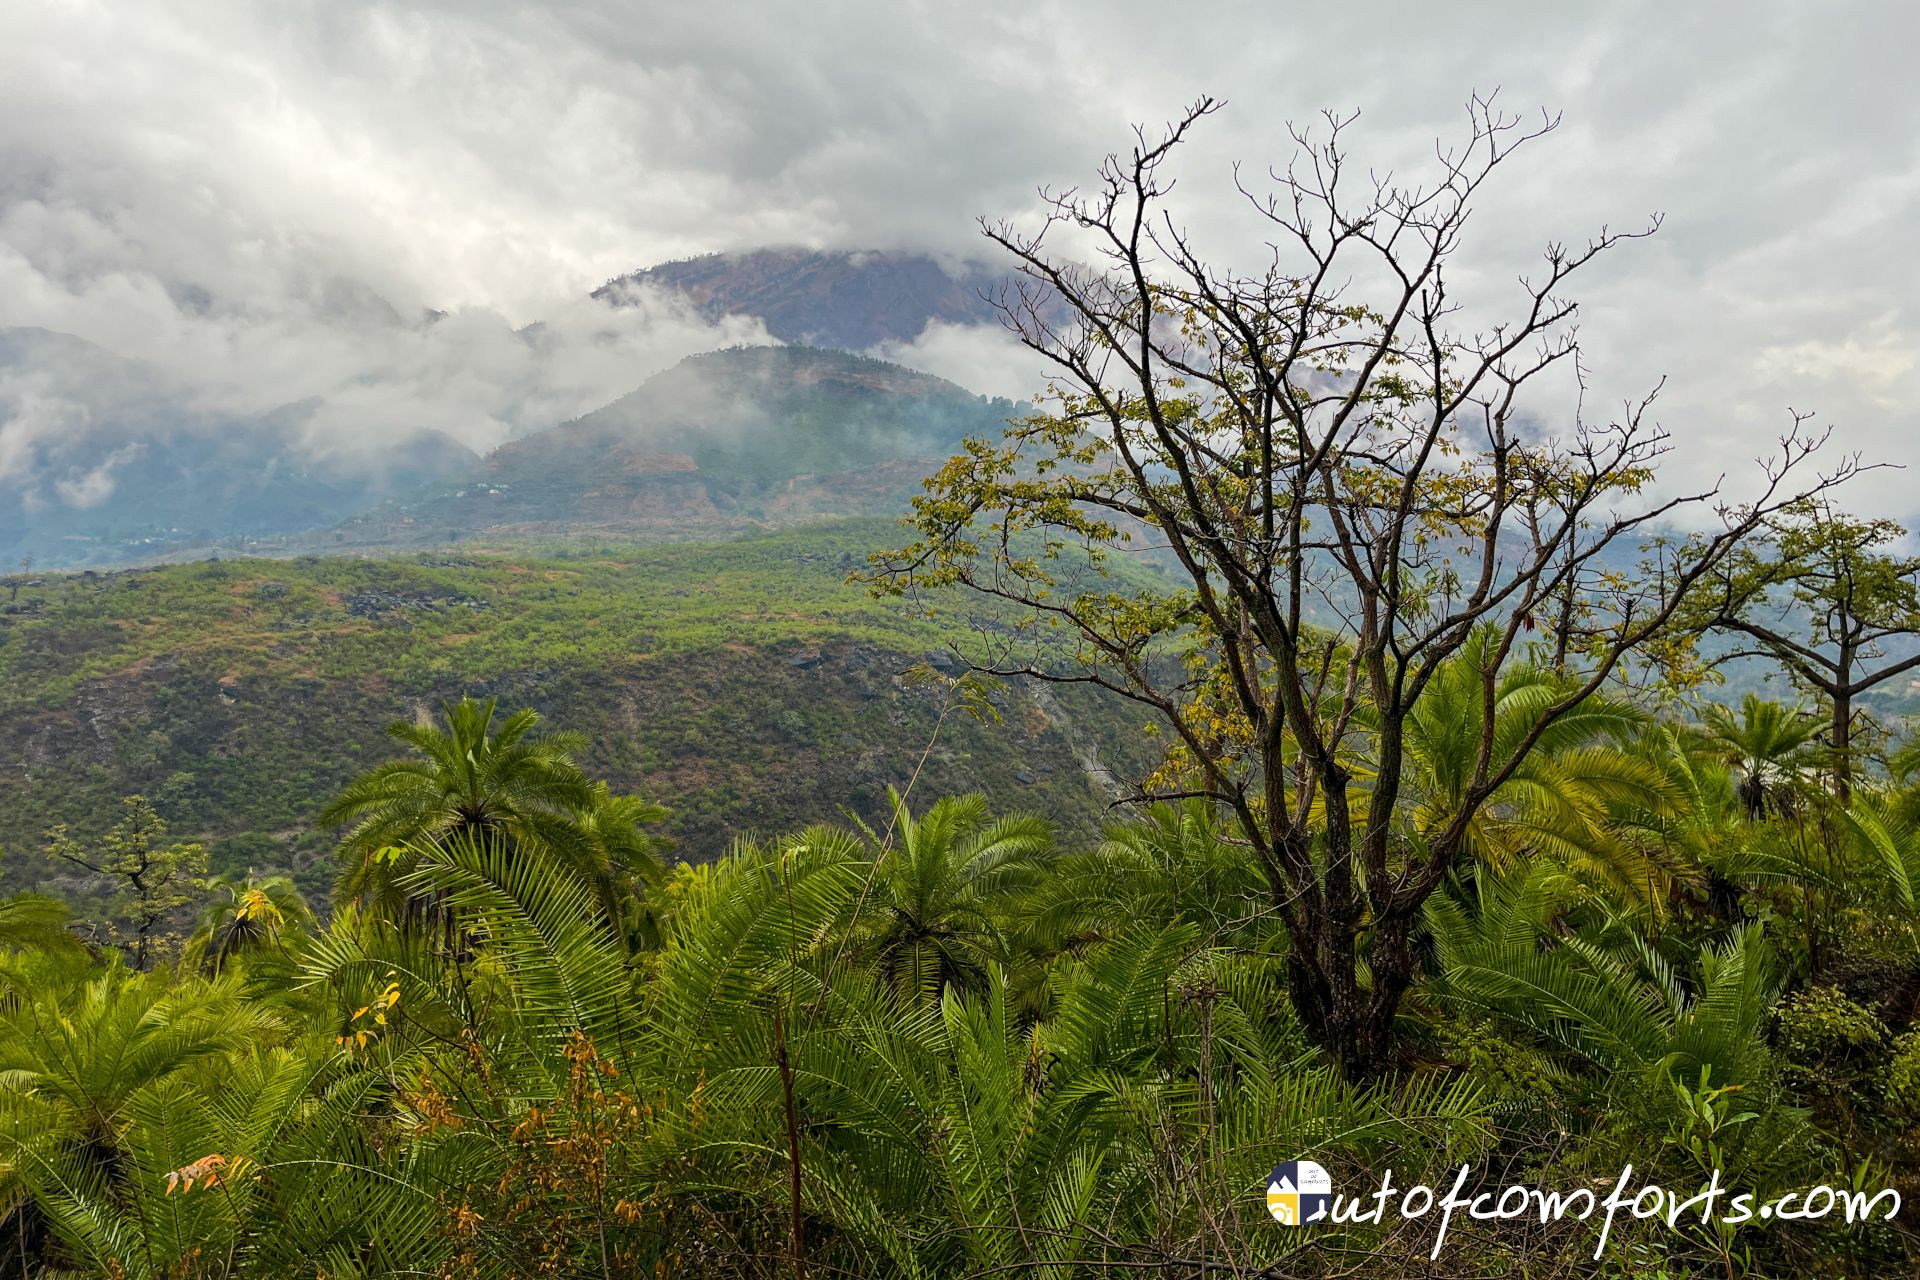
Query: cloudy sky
{"x":261,"y":198}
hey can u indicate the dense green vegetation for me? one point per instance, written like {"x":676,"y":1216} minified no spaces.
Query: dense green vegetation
{"x":746,"y":684}
{"x":756,"y":951}
{"x":953,"y":1042}
{"x":1368,"y":541}
{"x":444,"y":1004}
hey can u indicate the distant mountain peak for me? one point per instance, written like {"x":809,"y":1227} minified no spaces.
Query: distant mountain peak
{"x":808,"y":366}
{"x":847,"y":299}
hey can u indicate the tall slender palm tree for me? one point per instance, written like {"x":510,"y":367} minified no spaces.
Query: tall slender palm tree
{"x":472,"y":776}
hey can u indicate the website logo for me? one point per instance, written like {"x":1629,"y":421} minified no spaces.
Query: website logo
{"x":1299,"y":1192}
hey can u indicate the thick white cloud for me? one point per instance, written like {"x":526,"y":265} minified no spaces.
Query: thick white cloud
{"x":95,"y":486}
{"x":262,"y":198}
{"x":35,"y":418}
{"x":986,"y":359}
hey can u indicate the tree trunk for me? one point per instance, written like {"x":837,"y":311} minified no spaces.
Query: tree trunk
{"x":1390,"y":961}
{"x":1351,"y":1024}
{"x":1842,"y":735}
{"x":797,"y":1225}
{"x":1324,"y":908}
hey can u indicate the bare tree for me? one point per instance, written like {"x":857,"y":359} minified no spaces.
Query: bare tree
{"x":1352,"y":501}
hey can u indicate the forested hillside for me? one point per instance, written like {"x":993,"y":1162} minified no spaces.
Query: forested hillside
{"x":746,"y":685}
{"x":724,"y":442}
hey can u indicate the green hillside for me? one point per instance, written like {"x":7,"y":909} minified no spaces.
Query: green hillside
{"x":745,"y":684}
{"x":731,"y":441}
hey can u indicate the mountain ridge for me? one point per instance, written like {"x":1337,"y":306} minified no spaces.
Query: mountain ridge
{"x":854,"y":300}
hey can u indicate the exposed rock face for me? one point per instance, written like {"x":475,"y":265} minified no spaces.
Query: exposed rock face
{"x":376,"y":603}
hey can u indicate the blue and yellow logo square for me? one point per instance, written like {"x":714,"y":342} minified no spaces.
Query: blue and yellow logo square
{"x":1299,"y":1192}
